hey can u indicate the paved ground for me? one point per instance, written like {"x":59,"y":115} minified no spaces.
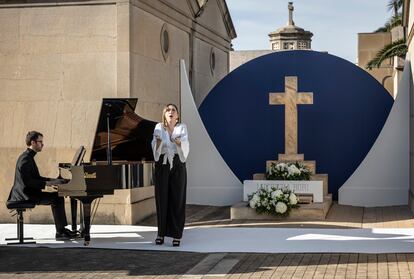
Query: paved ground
{"x":17,"y":262}
{"x":339,"y":216}
{"x":97,"y":263}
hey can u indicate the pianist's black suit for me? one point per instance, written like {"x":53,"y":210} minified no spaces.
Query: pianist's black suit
{"x":28,"y":185}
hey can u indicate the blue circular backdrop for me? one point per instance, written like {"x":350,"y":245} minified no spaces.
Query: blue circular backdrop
{"x":348,"y":112}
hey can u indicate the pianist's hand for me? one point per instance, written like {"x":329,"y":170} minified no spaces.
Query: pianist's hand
{"x":51,"y":189}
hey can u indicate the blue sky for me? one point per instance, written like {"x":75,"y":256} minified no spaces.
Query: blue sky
{"x":334,"y":23}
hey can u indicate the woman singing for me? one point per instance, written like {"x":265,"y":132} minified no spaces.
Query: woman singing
{"x":170,"y":146}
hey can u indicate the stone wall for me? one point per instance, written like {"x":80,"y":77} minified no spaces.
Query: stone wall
{"x":155,"y":80}
{"x":57,"y":63}
{"x":368,"y":46}
{"x":58,"y":59}
{"x":238,"y":58}
{"x":205,"y":76}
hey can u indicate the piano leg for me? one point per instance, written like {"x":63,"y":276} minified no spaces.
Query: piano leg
{"x":74,"y":212}
{"x":87,"y":222}
{"x":81,"y":222}
{"x":85,"y":211}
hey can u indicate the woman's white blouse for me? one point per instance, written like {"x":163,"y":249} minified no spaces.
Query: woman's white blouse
{"x":168,"y":146}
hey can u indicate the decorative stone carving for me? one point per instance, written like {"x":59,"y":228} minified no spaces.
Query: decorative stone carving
{"x":291,"y":36}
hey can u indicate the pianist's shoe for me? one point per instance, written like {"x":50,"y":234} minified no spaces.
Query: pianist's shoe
{"x":65,"y":234}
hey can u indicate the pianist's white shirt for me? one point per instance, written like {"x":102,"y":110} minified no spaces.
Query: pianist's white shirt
{"x":168,"y":146}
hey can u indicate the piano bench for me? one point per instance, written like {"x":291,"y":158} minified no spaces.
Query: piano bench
{"x":17,"y":208}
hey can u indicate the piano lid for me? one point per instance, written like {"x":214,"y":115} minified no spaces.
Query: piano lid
{"x":131,"y":134}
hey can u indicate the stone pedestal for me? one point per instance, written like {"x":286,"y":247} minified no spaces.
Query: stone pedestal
{"x":306,"y":212}
{"x":320,"y":177}
{"x":126,"y":206}
{"x":302,"y":187}
{"x":309,"y":212}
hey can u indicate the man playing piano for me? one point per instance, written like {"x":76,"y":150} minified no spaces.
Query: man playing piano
{"x":28,"y":185}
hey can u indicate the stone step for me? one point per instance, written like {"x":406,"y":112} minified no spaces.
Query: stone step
{"x":259,"y":176}
{"x":306,"y":212}
{"x":305,"y":198}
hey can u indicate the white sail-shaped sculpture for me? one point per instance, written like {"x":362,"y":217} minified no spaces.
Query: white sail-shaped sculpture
{"x":209,"y":179}
{"x":382,"y":179}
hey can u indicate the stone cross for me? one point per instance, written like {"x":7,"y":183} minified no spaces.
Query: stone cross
{"x":290,"y":7}
{"x":291,"y":98}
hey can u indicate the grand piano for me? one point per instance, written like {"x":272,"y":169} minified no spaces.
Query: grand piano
{"x":121,"y":158}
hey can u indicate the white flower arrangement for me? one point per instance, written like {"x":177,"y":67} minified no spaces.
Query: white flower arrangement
{"x":273,"y":201}
{"x":288,"y":171}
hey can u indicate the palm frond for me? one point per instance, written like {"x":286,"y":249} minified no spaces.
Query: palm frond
{"x":394,"y":21}
{"x":397,"y":48}
{"x":385,"y":28}
{"x":395,"y":5}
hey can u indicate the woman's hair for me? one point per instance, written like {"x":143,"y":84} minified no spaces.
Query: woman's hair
{"x":164,"y":120}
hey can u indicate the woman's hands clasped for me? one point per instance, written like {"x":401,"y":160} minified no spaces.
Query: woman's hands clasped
{"x":177,"y":141}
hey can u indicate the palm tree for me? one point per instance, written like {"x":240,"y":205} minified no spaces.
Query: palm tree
{"x":394,"y":21}
{"x":395,"y":5}
{"x":397,"y":48}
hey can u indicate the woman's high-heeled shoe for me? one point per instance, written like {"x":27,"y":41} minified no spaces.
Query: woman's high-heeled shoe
{"x":159,"y":240}
{"x":176,"y":242}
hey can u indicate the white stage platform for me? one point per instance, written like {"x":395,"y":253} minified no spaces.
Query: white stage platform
{"x":209,"y":240}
